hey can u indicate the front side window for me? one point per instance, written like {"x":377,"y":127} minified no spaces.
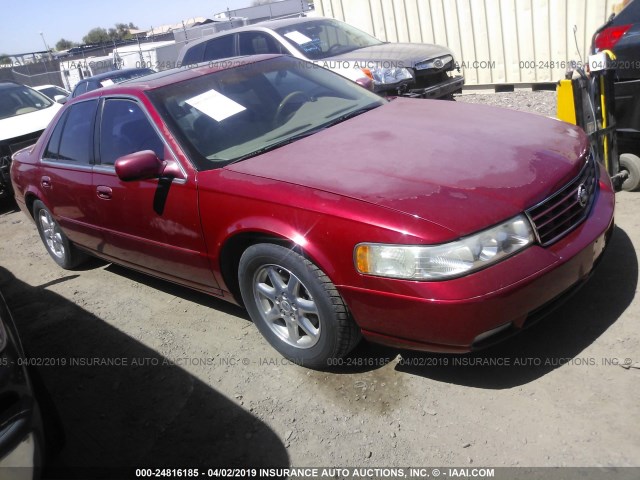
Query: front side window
{"x":318,"y":39}
{"x":72,"y":138}
{"x":229,"y":115}
{"x":125,"y":129}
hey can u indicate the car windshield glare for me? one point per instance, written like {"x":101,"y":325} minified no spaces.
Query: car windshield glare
{"x":232,"y":114}
{"x":319,"y":39}
{"x":18,"y":100}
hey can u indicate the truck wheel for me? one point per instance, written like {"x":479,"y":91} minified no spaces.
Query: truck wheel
{"x":630,"y":163}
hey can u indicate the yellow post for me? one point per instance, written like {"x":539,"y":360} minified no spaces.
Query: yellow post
{"x":566,"y":108}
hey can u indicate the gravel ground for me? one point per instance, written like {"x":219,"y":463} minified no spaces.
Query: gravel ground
{"x":197,"y":386}
{"x":542,"y":102}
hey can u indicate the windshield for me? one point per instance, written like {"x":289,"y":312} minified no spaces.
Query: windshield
{"x":233,"y":114}
{"x":18,"y":100}
{"x":319,"y":39}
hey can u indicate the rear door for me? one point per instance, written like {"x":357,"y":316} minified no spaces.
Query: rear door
{"x":66,"y":178}
{"x":151,"y":225}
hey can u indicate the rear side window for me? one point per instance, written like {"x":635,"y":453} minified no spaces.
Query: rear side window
{"x":72,"y":138}
{"x":194,"y":54}
{"x":257,"y":43}
{"x":219,"y":48}
{"x":126,"y":129}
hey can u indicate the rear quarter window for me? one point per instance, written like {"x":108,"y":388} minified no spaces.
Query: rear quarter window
{"x":219,"y":48}
{"x":194,"y":55}
{"x":72,"y":138}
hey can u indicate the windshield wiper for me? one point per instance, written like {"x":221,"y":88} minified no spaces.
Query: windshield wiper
{"x":287,"y":141}
{"x":274,"y":146}
{"x":349,"y":115}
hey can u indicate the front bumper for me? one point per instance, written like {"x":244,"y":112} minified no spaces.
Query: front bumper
{"x":443,"y":89}
{"x":463,"y":314}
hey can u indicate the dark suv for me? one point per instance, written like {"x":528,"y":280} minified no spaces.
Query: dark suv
{"x":621,"y":35}
{"x":108,"y":78}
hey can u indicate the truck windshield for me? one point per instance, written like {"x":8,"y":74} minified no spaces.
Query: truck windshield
{"x":319,"y":39}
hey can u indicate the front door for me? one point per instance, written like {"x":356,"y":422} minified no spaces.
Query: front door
{"x":152,"y":225}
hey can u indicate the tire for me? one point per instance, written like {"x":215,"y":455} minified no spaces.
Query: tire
{"x":631,"y":164}
{"x":63,"y":252}
{"x":295,"y":306}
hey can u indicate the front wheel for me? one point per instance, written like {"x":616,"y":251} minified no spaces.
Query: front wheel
{"x":295,"y":306}
{"x":58,"y":245}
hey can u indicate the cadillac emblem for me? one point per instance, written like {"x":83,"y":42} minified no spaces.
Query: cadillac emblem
{"x":583,"y":195}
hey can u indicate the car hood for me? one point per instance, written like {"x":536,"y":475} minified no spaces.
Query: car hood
{"x":394,"y":54}
{"x":27,"y":123}
{"x":461,"y":166}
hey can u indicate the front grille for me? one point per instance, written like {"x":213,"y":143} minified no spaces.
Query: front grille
{"x":559,"y":214}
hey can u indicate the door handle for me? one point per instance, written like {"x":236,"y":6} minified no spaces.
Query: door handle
{"x":104,"y":192}
{"x":45,"y":182}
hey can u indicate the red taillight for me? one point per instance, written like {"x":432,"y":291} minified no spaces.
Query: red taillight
{"x":608,"y":38}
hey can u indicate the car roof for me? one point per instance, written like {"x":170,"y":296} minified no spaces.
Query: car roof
{"x":176,"y":75}
{"x":113,"y":73}
{"x":262,"y":26}
{"x":4,"y":84}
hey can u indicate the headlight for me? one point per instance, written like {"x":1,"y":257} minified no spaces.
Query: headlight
{"x":439,"y":262}
{"x":386,"y":76}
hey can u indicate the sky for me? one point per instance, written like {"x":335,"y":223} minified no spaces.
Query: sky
{"x":23,"y":20}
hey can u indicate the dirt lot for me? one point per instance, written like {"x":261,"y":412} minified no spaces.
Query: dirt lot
{"x":195,"y":385}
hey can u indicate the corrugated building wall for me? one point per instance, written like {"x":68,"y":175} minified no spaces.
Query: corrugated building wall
{"x":495,"y":41}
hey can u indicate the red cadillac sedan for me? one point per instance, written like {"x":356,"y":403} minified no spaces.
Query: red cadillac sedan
{"x":328,"y":212}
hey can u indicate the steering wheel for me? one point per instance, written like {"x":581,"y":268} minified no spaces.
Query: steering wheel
{"x":286,"y":100}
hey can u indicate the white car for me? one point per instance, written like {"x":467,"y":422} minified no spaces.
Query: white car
{"x":417,"y":70}
{"x":24,"y":114}
{"x":54,"y":92}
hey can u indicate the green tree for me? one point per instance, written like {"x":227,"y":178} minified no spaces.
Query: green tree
{"x":96,"y":35}
{"x":64,"y":44}
{"x":4,"y":59}
{"x":122,"y":31}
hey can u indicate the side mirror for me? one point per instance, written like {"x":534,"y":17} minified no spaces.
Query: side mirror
{"x":139,"y":166}
{"x":61,"y":99}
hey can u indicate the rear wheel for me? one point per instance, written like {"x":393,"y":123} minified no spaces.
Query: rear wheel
{"x":295,"y":306}
{"x":63,"y":252}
